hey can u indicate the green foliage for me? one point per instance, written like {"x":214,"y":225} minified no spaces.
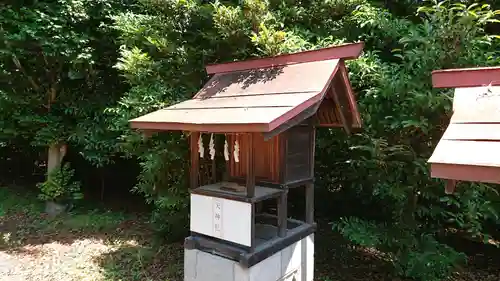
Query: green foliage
{"x":57,"y":77}
{"x":17,"y":201}
{"x":77,"y":71}
{"x":404,"y":119}
{"x":88,"y":220}
{"x":60,"y":186}
{"x":403,"y":115}
{"x":414,"y":254}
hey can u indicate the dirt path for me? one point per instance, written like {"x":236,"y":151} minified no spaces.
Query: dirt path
{"x":8,"y":267}
{"x":54,"y":261}
{"x":98,"y":245}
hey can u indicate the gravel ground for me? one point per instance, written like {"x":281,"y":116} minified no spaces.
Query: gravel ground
{"x":93,"y":259}
{"x":107,"y":246}
{"x":54,"y":261}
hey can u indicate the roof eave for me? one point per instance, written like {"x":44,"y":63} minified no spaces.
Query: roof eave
{"x":461,"y":172}
{"x":211,"y":128}
{"x":466,"y":77}
{"x":306,"y":104}
{"x":356,"y":115}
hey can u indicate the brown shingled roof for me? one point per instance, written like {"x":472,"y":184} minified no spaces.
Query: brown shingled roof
{"x":260,"y":95}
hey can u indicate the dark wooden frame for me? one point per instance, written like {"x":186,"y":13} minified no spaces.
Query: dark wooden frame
{"x":249,"y":256}
{"x":250,"y":178}
{"x":195,"y":160}
{"x":282,"y":188}
{"x":310,"y":186}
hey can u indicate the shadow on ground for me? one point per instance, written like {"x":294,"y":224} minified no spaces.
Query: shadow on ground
{"x":96,"y":244}
{"x":335,"y":260}
{"x":143,"y":262}
{"x":35,"y":228}
{"x":23,"y":222}
{"x":112,"y":246}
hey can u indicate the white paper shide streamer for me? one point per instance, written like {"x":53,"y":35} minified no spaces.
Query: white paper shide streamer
{"x":226,"y":150}
{"x":211,"y":146}
{"x":236,"y":151}
{"x":201,"y":149}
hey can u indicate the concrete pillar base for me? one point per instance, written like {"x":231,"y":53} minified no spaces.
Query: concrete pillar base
{"x":294,"y":263}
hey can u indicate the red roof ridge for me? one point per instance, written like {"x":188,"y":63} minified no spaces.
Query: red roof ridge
{"x":344,"y":51}
{"x":466,"y":77}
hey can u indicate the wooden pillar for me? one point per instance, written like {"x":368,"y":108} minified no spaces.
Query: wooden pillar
{"x":195,"y":160}
{"x":225,"y":173}
{"x":282,"y":157}
{"x":343,"y":117}
{"x":310,"y":203}
{"x":283,"y":213}
{"x":214,"y":163}
{"x":310,"y":186}
{"x":250,"y":184}
{"x":214,"y":171}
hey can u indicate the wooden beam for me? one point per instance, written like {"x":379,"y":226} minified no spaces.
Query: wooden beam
{"x":214,"y":165}
{"x":195,"y":160}
{"x":214,"y":171}
{"x":283,"y":142}
{"x":309,"y":189}
{"x":299,"y":118}
{"x":353,"y":105}
{"x":250,"y":184}
{"x":469,"y":173}
{"x":283,"y":213}
{"x":343,"y":118}
{"x":212,"y":128}
{"x":309,"y":203}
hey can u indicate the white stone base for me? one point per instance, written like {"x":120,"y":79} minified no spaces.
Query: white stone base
{"x":294,"y":263}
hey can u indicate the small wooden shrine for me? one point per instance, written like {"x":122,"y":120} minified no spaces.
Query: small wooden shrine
{"x":261,"y":116}
{"x":469,"y":150}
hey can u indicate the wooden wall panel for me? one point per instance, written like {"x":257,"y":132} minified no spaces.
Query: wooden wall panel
{"x":266,"y":159}
{"x":298,"y":154}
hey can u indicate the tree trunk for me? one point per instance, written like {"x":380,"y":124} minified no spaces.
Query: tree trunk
{"x":55,"y":156}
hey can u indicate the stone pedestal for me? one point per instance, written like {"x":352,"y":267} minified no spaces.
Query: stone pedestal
{"x":294,"y":263}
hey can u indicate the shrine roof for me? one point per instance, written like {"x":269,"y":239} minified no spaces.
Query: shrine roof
{"x":469,"y":150}
{"x":260,"y":95}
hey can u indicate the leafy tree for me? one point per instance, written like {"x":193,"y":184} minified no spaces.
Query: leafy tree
{"x":57,"y":77}
{"x":406,"y":118}
{"x":167,"y":43}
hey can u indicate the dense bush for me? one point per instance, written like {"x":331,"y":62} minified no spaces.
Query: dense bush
{"x":60,"y":186}
{"x":404,"y":120}
{"x":110,"y":61}
{"x":403,"y":115}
